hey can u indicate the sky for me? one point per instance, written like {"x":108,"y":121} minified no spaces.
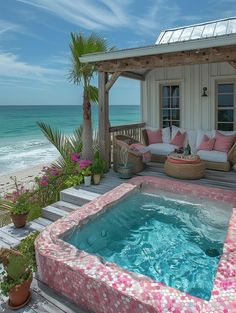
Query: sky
{"x":35,"y":37}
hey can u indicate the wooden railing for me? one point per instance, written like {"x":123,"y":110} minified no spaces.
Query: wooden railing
{"x":131,"y":130}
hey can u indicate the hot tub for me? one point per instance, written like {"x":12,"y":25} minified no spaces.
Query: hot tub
{"x":95,"y":282}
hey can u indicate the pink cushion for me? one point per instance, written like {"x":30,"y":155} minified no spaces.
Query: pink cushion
{"x":207,"y":143}
{"x":223,"y":143}
{"x":178,"y":140}
{"x":154,"y":136}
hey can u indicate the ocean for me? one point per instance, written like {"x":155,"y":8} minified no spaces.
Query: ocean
{"x":22,"y":143}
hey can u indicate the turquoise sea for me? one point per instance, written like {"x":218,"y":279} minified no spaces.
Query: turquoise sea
{"x":22,"y":144}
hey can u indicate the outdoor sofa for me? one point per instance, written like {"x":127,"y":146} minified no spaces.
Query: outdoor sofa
{"x":214,"y":159}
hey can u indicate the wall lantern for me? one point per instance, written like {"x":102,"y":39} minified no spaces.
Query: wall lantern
{"x":204,"y":92}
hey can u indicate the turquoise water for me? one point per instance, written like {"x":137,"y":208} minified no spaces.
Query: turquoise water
{"x":172,"y":241}
{"x":22,"y":143}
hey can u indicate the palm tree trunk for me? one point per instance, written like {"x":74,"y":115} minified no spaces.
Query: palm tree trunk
{"x":87,"y":136}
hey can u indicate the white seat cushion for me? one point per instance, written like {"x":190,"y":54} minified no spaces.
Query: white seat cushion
{"x":162,"y":148}
{"x":213,"y":156}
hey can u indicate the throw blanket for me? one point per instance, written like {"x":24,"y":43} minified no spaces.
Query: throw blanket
{"x":143,"y":150}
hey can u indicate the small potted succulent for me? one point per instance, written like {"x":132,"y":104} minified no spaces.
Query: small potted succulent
{"x":87,"y":174}
{"x":16,"y":277}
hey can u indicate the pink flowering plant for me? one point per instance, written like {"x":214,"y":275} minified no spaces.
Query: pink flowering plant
{"x":56,"y":178}
{"x":18,"y":201}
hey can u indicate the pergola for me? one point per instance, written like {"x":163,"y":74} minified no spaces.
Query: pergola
{"x":136,"y":63}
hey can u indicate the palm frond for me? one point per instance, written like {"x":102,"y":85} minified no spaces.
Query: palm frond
{"x":93,"y":93}
{"x":60,"y":163}
{"x":57,"y":138}
{"x":76,"y":142}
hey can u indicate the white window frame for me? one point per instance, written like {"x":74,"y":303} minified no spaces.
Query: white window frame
{"x":170,"y":83}
{"x":225,"y":81}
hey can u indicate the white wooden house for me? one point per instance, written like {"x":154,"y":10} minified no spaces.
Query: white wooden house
{"x":188,"y":78}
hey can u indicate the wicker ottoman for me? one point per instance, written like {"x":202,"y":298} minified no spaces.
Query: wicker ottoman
{"x":185,"y":170}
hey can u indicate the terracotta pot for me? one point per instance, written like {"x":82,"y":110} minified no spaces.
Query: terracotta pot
{"x":19,"y":294}
{"x":96,"y":179}
{"x":19,"y":220}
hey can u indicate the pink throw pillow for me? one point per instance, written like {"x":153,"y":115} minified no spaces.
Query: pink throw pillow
{"x":178,"y":140}
{"x":223,"y":143}
{"x":154,"y":136}
{"x":207,"y":143}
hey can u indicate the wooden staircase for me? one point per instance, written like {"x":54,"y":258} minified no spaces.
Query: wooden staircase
{"x":71,"y":199}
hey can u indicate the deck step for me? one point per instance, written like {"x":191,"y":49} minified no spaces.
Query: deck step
{"x":20,"y":233}
{"x":78,"y":196}
{"x":8,"y":240}
{"x":43,"y":221}
{"x":53,"y":213}
{"x":67,"y":206}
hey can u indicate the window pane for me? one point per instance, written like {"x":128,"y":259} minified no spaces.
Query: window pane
{"x":166,"y":91}
{"x":225,"y":100}
{"x":166,"y":124}
{"x":224,"y":126}
{"x":166,"y":115}
{"x":166,"y":102}
{"x":176,"y":123}
{"x":225,"y":115}
{"x":174,"y":91}
{"x":175,"y":115}
{"x":174,"y":102}
{"x":225,"y":88}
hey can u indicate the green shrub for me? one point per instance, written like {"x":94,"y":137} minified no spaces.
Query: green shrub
{"x":27,"y":248}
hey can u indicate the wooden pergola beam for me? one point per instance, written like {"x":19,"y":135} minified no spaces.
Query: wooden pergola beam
{"x":233,"y":64}
{"x":211,"y":55}
{"x":133,"y":75}
{"x":112,"y":80}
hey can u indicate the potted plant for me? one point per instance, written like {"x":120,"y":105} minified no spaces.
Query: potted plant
{"x":98,"y":168}
{"x":16,"y":278}
{"x":18,"y":204}
{"x":87,"y":173}
{"x":20,"y":210}
{"x":124,"y":169}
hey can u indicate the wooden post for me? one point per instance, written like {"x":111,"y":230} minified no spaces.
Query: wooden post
{"x":103,"y":114}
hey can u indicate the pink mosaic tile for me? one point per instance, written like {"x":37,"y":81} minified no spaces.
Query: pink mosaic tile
{"x":107,"y":288}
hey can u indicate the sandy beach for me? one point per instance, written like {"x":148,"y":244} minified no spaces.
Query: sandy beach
{"x":26,"y":177}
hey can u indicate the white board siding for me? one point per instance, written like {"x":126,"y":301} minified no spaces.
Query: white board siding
{"x":196,"y":111}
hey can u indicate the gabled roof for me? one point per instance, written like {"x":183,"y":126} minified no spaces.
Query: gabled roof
{"x":198,"y":31}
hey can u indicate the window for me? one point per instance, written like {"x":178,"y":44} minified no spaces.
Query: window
{"x":170,"y":105}
{"x":225,"y":97}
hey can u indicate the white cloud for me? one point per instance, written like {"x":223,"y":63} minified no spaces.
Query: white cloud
{"x":89,"y":14}
{"x":138,"y":18}
{"x":11,"y":67}
{"x":6,"y":26}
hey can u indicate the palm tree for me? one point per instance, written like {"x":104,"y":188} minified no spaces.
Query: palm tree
{"x":81,"y":74}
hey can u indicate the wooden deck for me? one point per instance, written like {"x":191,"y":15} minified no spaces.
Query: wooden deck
{"x":44,"y":299}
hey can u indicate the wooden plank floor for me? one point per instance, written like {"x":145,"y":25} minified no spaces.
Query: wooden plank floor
{"x":44,"y":299}
{"x":219,"y":179}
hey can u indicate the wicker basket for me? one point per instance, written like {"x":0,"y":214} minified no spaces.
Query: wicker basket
{"x":185,"y":171}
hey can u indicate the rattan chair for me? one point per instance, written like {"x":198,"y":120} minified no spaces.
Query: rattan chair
{"x":134,"y":158}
